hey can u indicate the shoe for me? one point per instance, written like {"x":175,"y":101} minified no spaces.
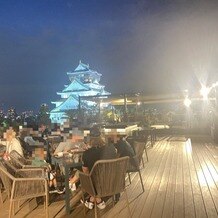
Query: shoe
{"x":60,"y":191}
{"x":72,"y":187}
{"x":53,"y":191}
{"x":89,"y":205}
{"x":101,"y":205}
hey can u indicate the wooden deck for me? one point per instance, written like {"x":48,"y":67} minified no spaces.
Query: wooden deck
{"x":180,"y":180}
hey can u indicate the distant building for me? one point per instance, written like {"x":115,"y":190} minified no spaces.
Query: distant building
{"x":26,"y":114}
{"x":11,"y":114}
{"x":83,"y":82}
{"x":1,"y":114}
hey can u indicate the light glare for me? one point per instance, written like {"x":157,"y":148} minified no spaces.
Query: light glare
{"x":204,"y":92}
{"x":187,"y":102}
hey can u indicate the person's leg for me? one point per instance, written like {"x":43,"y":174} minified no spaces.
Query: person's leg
{"x":54,"y":181}
{"x":73,"y":181}
{"x":90,"y":204}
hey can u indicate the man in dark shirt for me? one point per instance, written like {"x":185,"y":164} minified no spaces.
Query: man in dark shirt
{"x":90,"y":156}
{"x":94,"y":154}
{"x":124,"y":148}
{"x":97,"y":150}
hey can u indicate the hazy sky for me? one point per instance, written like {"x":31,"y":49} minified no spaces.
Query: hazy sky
{"x":154,"y":46}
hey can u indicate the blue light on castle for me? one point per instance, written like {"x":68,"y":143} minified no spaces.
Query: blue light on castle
{"x":83,"y":82}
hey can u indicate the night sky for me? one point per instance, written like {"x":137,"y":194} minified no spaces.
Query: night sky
{"x":150,"y":46}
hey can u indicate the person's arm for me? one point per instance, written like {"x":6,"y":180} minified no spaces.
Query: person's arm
{"x":85,"y":158}
{"x":17,"y":147}
{"x":118,"y":149}
{"x":85,"y":170}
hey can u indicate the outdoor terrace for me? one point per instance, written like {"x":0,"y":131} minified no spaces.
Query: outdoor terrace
{"x":180,"y":180}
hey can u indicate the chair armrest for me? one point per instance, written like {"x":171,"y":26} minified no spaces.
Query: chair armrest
{"x":86,"y":183}
{"x":31,"y":173}
{"x":29,"y":162}
{"x":34,"y":167}
{"x":24,"y":188}
{"x":133,"y":164}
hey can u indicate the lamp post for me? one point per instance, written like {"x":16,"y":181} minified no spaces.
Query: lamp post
{"x":187,"y":102}
{"x":214,"y":126}
{"x":214,"y":119}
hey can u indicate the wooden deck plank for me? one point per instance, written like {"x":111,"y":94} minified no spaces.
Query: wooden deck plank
{"x":150,"y":200}
{"x":209,"y":174}
{"x":189,"y":207}
{"x":161,"y":195}
{"x":199,"y":205}
{"x":206,"y":195}
{"x":154,"y":166}
{"x":178,"y":210}
{"x":170,"y":192}
{"x":213,"y":164}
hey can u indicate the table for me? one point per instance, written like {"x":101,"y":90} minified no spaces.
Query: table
{"x":67,"y":164}
{"x":152,"y":132}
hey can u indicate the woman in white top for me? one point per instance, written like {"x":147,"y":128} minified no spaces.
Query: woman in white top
{"x":11,"y":142}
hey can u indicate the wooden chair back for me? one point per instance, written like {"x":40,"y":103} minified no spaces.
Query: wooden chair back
{"x":19,"y":157}
{"x":108,"y":176}
{"x":7,"y":179}
{"x":139,"y":148}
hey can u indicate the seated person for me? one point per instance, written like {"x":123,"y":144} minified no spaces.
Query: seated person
{"x":39,"y":161}
{"x":96,"y":150}
{"x":30,"y":140}
{"x":43,"y":129}
{"x":11,"y":143}
{"x":125,"y":149}
{"x":68,"y":145}
{"x":64,"y":147}
{"x":108,"y":151}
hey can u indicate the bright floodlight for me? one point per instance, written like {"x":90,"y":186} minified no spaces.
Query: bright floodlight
{"x":204,"y":92}
{"x":187,"y":102}
{"x":214,"y":84}
{"x":138,"y":103}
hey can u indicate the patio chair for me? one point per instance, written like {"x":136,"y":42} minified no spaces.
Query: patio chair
{"x":107,"y":178}
{"x":1,"y":199}
{"x":134,"y":163}
{"x":23,"y":188}
{"x":16,"y":172}
{"x":139,"y":148}
{"x":19,"y":161}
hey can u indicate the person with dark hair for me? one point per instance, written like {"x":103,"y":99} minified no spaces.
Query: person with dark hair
{"x":44,"y":131}
{"x":96,"y":150}
{"x":123,"y":147}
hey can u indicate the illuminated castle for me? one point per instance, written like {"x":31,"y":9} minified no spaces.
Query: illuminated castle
{"x":83,"y":82}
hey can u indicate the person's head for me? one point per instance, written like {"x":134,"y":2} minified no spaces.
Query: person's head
{"x":9,"y":134}
{"x":110,"y":140}
{"x":121,"y":137}
{"x":42,"y":127}
{"x":96,"y":141}
{"x":39,"y":153}
{"x":95,"y":131}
